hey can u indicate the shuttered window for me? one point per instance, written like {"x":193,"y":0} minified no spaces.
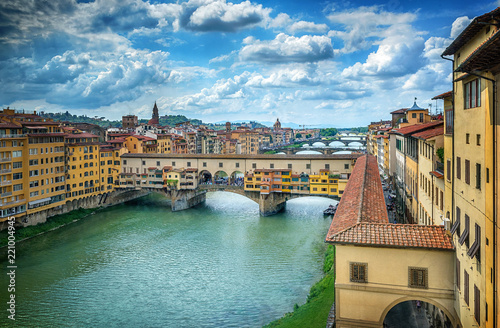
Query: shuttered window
{"x":448,"y":169}
{"x":459,"y":168}
{"x":466,"y":287}
{"x":467,"y":171}
{"x":478,"y":176}
{"x":477,"y":306}
{"x":417,"y":277}
{"x":474,"y":250}
{"x":458,"y":273}
{"x":465,"y":233}
{"x":359,"y":272}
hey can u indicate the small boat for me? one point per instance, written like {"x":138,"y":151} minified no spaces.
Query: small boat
{"x":330,"y":210}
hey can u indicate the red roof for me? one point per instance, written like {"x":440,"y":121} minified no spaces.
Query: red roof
{"x":443,"y":95}
{"x":407,"y":130}
{"x":117,"y":140}
{"x":400,"y":111}
{"x":363,"y":198}
{"x":394,"y":235}
{"x":431,"y":133}
{"x":81,"y":135}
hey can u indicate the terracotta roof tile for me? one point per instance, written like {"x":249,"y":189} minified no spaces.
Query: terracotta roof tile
{"x":417,"y":128}
{"x":363,"y":198}
{"x":427,"y":134}
{"x":443,"y":95}
{"x":394,"y":235}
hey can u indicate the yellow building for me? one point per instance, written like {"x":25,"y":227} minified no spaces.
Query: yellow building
{"x":430,"y":176}
{"x":474,"y":150}
{"x":83,"y":165}
{"x":32,"y":166}
{"x":164,"y":142}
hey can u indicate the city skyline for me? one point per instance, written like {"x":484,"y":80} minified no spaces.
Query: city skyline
{"x":347,"y":64}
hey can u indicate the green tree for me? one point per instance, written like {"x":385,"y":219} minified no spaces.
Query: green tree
{"x":298,"y":135}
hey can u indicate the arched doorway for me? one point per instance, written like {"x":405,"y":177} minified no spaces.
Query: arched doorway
{"x":237,"y":179}
{"x":205,"y":177}
{"x":416,"y":313}
{"x":221,"y":178}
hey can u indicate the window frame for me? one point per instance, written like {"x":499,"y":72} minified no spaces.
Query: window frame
{"x":411,"y":277}
{"x":354,"y":273}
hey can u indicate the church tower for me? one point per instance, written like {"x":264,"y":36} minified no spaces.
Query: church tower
{"x":155,"y":119}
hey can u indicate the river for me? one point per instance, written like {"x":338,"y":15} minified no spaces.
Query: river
{"x":219,"y":264}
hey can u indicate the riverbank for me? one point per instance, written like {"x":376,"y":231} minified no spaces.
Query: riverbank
{"x":52,"y":223}
{"x":314,"y":313}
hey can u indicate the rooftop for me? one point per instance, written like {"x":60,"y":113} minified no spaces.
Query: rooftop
{"x":363,"y":198}
{"x":407,"y":130}
{"x":430,"y":133}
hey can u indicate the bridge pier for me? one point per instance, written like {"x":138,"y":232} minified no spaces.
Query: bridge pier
{"x":272,"y":203}
{"x":184,"y":199}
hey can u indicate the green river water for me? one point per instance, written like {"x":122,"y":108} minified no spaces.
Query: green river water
{"x":219,"y":264}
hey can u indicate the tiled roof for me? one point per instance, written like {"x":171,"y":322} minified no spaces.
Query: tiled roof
{"x":400,"y":111}
{"x":394,"y":235}
{"x":443,"y":95}
{"x":471,"y":30}
{"x":431,"y":133}
{"x":363,"y":198}
{"x":407,"y":130}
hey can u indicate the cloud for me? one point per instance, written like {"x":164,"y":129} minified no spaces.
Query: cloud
{"x":363,"y":25}
{"x":219,"y":16}
{"x":286,"y":49}
{"x":434,"y":75}
{"x":303,"y":26}
{"x":398,"y":54}
{"x":459,"y":25}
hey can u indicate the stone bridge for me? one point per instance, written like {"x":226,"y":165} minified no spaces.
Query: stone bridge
{"x":269,"y":204}
{"x":199,"y":174}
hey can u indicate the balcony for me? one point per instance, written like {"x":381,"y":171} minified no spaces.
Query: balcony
{"x":5,"y":171}
{"x":5,"y":183}
{"x":6,"y":194}
{"x":12,"y":135}
{"x":5,"y":159}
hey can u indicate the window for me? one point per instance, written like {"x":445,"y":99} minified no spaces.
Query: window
{"x":472,"y":94}
{"x":421,"y":119}
{"x":474,"y":250}
{"x":237,"y":164}
{"x":478,"y":176}
{"x":466,"y":287}
{"x":17,"y":165}
{"x":449,"y":121}
{"x":414,"y":115}
{"x":254,"y":165}
{"x":467,"y":171}
{"x":308,"y":166}
{"x":158,"y":163}
{"x":289,"y":166}
{"x":459,"y":168}
{"x":327,"y":166}
{"x":346,"y":166}
{"x":478,"y":139}
{"x":271,"y":166}
{"x":188,"y":164}
{"x":143,"y":162}
{"x":467,"y":138}
{"x":359,"y":272}
{"x":417,"y":277}
{"x":17,"y":187}
{"x":173,"y":163}
{"x":124,"y":162}
{"x":204,"y":164}
{"x":220,"y":164}
{"x":458,"y":274}
{"x":465,"y":234}
{"x":448,"y":169}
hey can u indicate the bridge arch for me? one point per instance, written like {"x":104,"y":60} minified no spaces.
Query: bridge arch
{"x":205,"y":177}
{"x":431,"y":301}
{"x":221,"y":177}
{"x":236,"y":178}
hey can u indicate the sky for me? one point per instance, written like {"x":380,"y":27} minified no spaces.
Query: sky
{"x":336,"y":63}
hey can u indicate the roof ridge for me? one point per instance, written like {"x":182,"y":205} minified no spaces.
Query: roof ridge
{"x":362,"y":198}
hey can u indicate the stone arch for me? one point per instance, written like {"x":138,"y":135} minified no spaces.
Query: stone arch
{"x":413,"y":298}
{"x":220,"y":177}
{"x":237,"y":178}
{"x":205,"y":177}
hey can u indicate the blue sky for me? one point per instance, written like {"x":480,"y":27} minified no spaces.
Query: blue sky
{"x":342,"y":63}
